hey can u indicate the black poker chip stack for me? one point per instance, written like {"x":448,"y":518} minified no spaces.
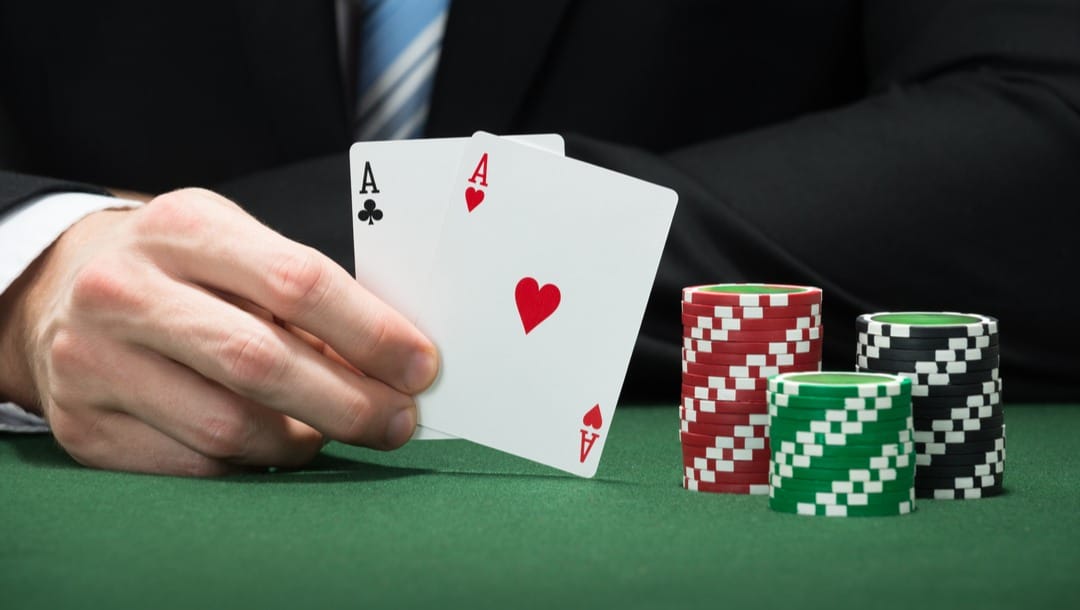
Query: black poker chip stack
{"x":953,"y":361}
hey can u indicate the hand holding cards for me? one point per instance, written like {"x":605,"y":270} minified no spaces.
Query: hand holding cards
{"x":533,"y":291}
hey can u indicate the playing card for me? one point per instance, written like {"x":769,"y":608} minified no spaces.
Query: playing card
{"x":535,"y":299}
{"x":399,"y":198}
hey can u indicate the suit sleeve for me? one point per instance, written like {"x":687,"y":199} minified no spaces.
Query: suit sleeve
{"x":16,"y":188}
{"x":952,"y":185}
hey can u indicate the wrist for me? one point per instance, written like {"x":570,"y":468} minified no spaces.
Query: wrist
{"x":16,"y":373}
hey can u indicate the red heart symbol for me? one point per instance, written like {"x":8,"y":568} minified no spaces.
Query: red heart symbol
{"x":593,"y":418}
{"x":473,"y":197}
{"x":534,"y":303}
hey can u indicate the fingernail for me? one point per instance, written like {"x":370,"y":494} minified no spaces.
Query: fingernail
{"x":421,"y":371}
{"x":401,"y":427}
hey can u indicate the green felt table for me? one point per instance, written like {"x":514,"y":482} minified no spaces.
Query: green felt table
{"x":453,"y":525}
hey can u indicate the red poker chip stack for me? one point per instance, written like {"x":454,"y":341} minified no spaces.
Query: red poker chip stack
{"x":735,"y":336}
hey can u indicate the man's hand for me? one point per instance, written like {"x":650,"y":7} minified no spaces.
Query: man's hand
{"x":184,"y":337}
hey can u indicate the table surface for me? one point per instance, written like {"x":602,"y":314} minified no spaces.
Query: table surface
{"x":452,"y":524}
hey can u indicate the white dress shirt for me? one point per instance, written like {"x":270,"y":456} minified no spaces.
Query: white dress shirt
{"x":26,"y":232}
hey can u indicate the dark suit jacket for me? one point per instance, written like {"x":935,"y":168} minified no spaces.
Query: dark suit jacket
{"x":917,"y":154}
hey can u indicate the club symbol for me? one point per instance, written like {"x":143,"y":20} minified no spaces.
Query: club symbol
{"x":370,"y":213}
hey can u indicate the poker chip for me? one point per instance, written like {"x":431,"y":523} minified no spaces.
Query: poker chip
{"x":838,"y":463}
{"x":702,"y":429}
{"x":836,"y":439}
{"x":970,"y":470}
{"x":725,"y":451}
{"x":960,"y":459}
{"x":752,"y":295}
{"x":959,"y":425}
{"x":927,"y":344}
{"x":728,"y":311}
{"x":841,"y":486}
{"x":811,"y":509}
{"x":722,"y":411}
{"x":760,"y":420}
{"x":783,"y":426}
{"x":845,"y":450}
{"x":727,"y":360}
{"x":838,"y":385}
{"x":812,"y":403}
{"x":738,"y":457}
{"x":751,"y":371}
{"x":926,"y":325}
{"x":973,"y":446}
{"x":711,"y":387}
{"x":983,"y":412}
{"x":840,"y":444}
{"x":739,"y":466}
{"x":739,"y":478}
{"x":967,"y":482}
{"x":957,"y":389}
{"x":716,"y":450}
{"x":758,"y":489}
{"x":732,"y":383}
{"x":828,"y":498}
{"x":734,"y":337}
{"x":720,"y":393}
{"x":774,"y":347}
{"x":697,"y":410}
{"x":839,"y":415}
{"x":954,"y":402}
{"x":692,"y":401}
{"x":959,"y":494}
{"x":749,"y":324}
{"x":936,"y":355}
{"x":961,"y":436}
{"x":948,"y":379}
{"x":693,"y":439}
{"x":723,"y":471}
{"x":843,"y":474}
{"x":695,"y":337}
{"x":927,"y":366}
{"x":693,"y":443}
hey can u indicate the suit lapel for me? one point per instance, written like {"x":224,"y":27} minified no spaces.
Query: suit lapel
{"x":492,"y":51}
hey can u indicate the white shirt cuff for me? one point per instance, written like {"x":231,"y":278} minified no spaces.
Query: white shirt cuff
{"x":25,"y":233}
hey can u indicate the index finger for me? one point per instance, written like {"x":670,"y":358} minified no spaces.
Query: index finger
{"x":223,"y":248}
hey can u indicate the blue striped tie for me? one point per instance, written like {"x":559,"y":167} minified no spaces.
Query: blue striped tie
{"x":399,"y":49}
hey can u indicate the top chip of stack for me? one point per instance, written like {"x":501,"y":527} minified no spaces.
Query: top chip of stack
{"x":734,"y":337}
{"x":841,"y":444}
{"x":953,"y":361}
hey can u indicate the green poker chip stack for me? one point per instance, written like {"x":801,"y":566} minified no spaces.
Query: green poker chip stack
{"x":841,"y":444}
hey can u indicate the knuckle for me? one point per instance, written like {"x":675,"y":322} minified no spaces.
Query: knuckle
{"x":356,"y":422}
{"x":225,"y":436}
{"x":375,"y":334}
{"x":182,"y":212}
{"x":253,"y":360}
{"x":299,"y":283}
{"x":66,"y":354}
{"x":102,"y":285}
{"x":63,"y":429}
{"x":77,"y":439}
